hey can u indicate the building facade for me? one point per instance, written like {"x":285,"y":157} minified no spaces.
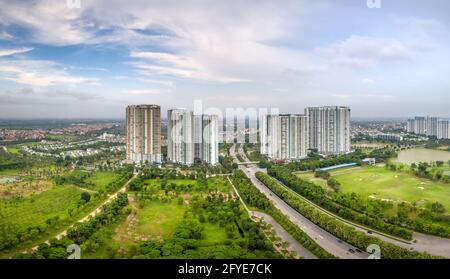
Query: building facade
{"x":143,"y":125}
{"x":284,"y":136}
{"x":192,"y":138}
{"x":180,"y":140}
{"x":329,"y":129}
{"x":431,"y":126}
{"x":210,"y":142}
{"x":443,"y":129}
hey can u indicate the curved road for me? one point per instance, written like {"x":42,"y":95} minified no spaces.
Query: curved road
{"x":431,"y":244}
{"x":324,"y":239}
{"x":294,"y":245}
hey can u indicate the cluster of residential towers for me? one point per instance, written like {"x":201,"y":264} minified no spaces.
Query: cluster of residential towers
{"x":429,"y":126}
{"x":290,"y":136}
{"x":195,"y":138}
{"x":190,"y":138}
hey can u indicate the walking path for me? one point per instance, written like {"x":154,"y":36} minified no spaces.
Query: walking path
{"x":93,"y":213}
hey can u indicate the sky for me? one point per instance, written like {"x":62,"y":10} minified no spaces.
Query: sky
{"x":59,"y":59}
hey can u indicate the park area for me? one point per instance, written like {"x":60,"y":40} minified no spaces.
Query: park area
{"x":375,"y":182}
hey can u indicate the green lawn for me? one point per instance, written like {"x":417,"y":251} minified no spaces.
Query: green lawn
{"x":381,"y":183}
{"x":213,"y":234}
{"x":158,"y":220}
{"x":35,"y":210}
{"x":219,"y":183}
{"x":308,"y":175}
{"x":101,"y":179}
{"x":13,"y":149}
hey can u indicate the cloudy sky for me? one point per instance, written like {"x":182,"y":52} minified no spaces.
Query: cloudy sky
{"x":58,"y":60}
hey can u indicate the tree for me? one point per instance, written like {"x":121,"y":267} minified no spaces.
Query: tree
{"x":437,"y":207}
{"x":86,"y":197}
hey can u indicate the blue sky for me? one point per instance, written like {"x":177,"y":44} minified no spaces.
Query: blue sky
{"x":92,"y":61}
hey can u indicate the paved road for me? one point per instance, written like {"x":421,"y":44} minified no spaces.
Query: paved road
{"x":321,"y":237}
{"x":285,"y":236}
{"x":433,"y":245}
{"x":294,"y":245}
{"x":93,"y":213}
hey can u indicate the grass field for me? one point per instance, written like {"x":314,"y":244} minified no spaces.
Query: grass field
{"x":13,"y":149}
{"x":308,"y":175}
{"x":381,"y":183}
{"x":219,"y":183}
{"x":213,"y":234}
{"x":397,"y":186}
{"x":35,"y":210}
{"x":101,"y":179}
{"x":157,"y":220}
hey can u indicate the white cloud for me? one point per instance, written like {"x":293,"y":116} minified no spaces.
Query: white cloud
{"x":7,"y":52}
{"x":39,"y":73}
{"x":145,"y":91}
{"x":160,"y":82}
{"x":5,"y":36}
{"x":363,"y":52}
{"x":368,"y":81}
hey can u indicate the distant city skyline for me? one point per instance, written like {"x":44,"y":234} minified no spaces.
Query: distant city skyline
{"x":58,"y":61}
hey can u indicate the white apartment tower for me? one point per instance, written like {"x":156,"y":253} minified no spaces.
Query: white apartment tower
{"x":329,"y":129}
{"x":180,"y":143}
{"x":431,"y":126}
{"x":443,"y":129}
{"x":284,"y":136}
{"x":143,"y":125}
{"x":420,"y":125}
{"x":192,"y":138}
{"x":210,"y":144}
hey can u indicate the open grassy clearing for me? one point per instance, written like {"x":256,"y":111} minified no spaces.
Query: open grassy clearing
{"x":381,"y":183}
{"x":157,"y":220}
{"x":219,"y":183}
{"x":397,"y":186}
{"x":35,"y":210}
{"x":101,"y":179}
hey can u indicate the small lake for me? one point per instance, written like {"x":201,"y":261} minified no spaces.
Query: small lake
{"x":417,"y":155}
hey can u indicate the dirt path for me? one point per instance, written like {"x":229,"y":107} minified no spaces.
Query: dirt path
{"x":93,"y":213}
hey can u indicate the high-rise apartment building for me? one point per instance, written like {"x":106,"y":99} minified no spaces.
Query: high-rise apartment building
{"x":210,"y":143}
{"x":420,"y":125}
{"x":262,"y":131}
{"x":180,"y":137}
{"x":143,"y":125}
{"x":192,"y":138}
{"x":329,"y":129}
{"x":284,"y":136}
{"x":443,"y":129}
{"x":431,"y":126}
{"x":410,"y":126}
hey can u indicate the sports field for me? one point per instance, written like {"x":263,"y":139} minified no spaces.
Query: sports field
{"x":381,"y":183}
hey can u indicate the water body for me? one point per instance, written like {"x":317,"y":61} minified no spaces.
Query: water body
{"x":417,"y":155}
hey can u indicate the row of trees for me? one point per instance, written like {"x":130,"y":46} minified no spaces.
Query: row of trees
{"x":347,"y":206}
{"x":80,"y":233}
{"x":253,"y":197}
{"x":336,"y":227}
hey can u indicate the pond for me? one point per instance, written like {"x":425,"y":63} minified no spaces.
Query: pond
{"x":417,"y":155}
